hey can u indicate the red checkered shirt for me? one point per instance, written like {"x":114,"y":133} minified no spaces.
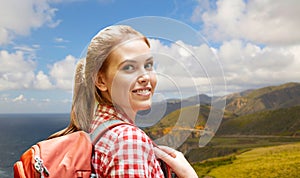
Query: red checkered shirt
{"x":123,"y":151}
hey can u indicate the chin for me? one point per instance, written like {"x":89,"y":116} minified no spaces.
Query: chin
{"x":142,"y":105}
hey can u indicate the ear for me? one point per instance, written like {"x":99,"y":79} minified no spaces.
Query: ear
{"x":100,"y":82}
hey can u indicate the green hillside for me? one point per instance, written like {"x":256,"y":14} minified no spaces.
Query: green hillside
{"x":285,"y":121}
{"x":277,"y":161}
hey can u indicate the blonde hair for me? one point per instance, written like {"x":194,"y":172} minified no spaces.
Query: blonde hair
{"x":85,"y":92}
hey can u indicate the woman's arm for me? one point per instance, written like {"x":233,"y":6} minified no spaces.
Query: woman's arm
{"x":176,"y":161}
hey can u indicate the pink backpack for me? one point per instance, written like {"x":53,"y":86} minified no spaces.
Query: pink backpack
{"x":66,"y":156}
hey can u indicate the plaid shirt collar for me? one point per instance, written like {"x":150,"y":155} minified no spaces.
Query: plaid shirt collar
{"x":106,"y":110}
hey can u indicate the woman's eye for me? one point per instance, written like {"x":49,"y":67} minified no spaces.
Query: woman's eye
{"x":128,"y":68}
{"x":149,"y":66}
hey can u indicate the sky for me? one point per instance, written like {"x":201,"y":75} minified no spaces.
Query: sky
{"x":246,"y":44}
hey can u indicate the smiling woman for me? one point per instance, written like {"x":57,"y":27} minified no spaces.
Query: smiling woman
{"x":114,"y":82}
{"x":130,"y":81}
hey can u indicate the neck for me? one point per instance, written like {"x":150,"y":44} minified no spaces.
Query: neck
{"x":131,"y":114}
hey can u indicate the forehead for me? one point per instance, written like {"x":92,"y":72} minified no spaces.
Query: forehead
{"x":132,"y":49}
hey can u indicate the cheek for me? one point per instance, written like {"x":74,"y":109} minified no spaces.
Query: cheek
{"x":153,"y":80}
{"x":121,"y":84}
{"x":120,"y":90}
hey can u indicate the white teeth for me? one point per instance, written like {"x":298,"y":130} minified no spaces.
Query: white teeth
{"x":143,"y":92}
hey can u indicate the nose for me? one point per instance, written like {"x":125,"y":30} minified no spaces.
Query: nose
{"x":144,"y":78}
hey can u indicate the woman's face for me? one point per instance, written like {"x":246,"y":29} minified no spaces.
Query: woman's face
{"x":129,"y":80}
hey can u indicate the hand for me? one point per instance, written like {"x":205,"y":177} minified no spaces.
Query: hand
{"x":176,"y":161}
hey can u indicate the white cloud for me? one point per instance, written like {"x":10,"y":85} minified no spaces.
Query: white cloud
{"x":20,"y":17}
{"x":245,"y":65}
{"x":250,"y":66}
{"x":60,"y":40}
{"x":46,"y":100}
{"x":267,"y":22}
{"x":259,"y":40}
{"x":62,"y":73}
{"x":42,"y":81}
{"x":26,"y":49}
{"x":12,"y":103}
{"x":5,"y":36}
{"x":186,"y":68}
{"x":15,"y":71}
{"x":19,"y":98}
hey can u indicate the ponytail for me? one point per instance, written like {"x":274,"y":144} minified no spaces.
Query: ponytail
{"x":82,"y":104}
{"x":83,"y":97}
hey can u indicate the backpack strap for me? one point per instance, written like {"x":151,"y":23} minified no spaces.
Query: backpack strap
{"x":102,"y":128}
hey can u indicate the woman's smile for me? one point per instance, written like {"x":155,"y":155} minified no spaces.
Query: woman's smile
{"x":143,"y":91}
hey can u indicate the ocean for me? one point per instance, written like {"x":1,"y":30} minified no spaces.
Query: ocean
{"x":18,"y":132}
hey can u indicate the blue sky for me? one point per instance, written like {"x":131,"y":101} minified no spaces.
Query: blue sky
{"x":256,"y":44}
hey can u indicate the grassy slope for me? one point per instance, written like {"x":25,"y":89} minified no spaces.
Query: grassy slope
{"x":277,"y":161}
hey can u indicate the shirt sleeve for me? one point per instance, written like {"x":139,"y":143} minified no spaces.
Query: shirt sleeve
{"x":126,"y":151}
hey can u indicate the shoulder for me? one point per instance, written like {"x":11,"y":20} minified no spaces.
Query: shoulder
{"x":130,"y":132}
{"x":125,"y":135}
{"x":126,"y":150}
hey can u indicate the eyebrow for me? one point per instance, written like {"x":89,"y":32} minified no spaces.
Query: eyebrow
{"x":134,"y":61}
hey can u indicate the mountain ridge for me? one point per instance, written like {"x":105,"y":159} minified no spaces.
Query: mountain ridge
{"x":254,"y":108}
{"x":266,"y":98}
{"x":282,"y":120}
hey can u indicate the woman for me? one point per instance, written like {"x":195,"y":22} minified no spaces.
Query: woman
{"x":117,"y":79}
